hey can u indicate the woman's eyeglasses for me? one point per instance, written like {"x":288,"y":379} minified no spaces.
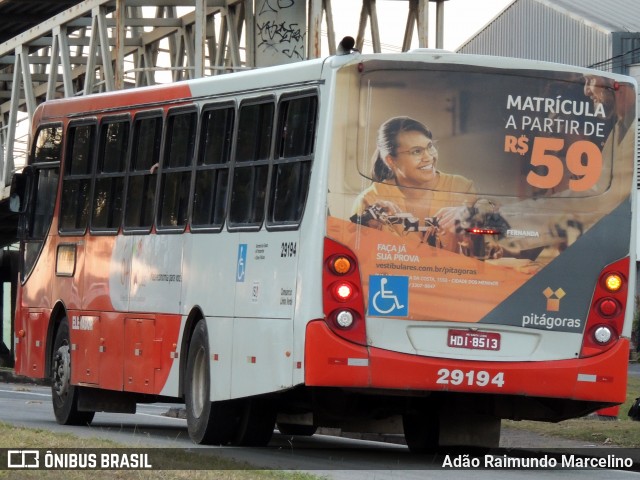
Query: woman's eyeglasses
{"x":420,"y":151}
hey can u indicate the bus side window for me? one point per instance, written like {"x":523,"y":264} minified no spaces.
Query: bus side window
{"x":42,"y":193}
{"x":251,"y":169}
{"x":76,"y":183}
{"x":142,"y":178}
{"x":48,"y":145}
{"x":293,"y":159}
{"x":46,"y":148}
{"x":109,"y":183}
{"x":212,"y":169}
{"x":176,"y":168}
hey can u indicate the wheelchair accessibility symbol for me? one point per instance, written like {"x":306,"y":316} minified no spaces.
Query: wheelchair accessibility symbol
{"x":388,"y":295}
{"x":242,"y":262}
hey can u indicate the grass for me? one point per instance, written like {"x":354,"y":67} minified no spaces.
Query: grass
{"x":217,"y":468}
{"x":622,"y":432}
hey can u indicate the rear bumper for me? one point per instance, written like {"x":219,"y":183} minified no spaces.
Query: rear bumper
{"x":333,"y":362}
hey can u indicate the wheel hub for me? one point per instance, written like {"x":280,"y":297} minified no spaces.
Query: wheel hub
{"x":61,"y":370}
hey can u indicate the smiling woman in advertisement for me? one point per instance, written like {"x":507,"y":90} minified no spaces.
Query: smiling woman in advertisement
{"x":408,"y":189}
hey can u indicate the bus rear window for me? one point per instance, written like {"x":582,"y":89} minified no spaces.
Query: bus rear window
{"x":524,"y":134}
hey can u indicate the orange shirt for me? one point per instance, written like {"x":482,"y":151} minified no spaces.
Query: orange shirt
{"x":450,"y":191}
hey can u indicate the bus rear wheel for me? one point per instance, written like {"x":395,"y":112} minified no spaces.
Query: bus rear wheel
{"x":64,"y":396}
{"x":208,"y":423}
{"x":257,"y":421}
{"x":421,"y":432}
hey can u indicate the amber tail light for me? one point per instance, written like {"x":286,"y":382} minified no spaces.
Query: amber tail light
{"x":606,"y":315}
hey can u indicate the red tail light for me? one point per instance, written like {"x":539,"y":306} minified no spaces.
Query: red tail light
{"x":343,"y":291}
{"x":342,"y":299}
{"x":606,"y":315}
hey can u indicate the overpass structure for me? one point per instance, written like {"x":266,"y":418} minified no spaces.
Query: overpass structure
{"x":69,"y":47}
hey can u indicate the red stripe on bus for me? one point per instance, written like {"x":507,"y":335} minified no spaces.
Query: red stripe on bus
{"x":114,"y":100}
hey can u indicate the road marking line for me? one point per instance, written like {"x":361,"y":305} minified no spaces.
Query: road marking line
{"x":24,"y":392}
{"x":159,"y":416}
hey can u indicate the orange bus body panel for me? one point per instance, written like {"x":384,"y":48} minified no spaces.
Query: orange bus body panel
{"x":331,"y":361}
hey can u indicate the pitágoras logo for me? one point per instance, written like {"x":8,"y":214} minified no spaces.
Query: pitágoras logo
{"x":553,"y":298}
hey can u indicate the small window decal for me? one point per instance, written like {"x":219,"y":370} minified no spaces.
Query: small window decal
{"x":66,"y":260}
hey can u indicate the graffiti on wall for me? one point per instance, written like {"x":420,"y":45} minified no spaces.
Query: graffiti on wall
{"x":280,"y":31}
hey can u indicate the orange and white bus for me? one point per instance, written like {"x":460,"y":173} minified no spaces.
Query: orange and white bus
{"x":422,"y":242}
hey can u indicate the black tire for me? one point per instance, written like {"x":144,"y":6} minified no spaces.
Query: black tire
{"x":257,"y":421}
{"x":298,"y":430}
{"x":208,"y":423}
{"x":421,"y":432}
{"x":64,"y":396}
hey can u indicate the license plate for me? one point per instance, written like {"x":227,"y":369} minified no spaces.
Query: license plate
{"x":474,"y":340}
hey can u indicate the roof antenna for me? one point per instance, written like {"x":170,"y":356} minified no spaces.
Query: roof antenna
{"x":346,"y":46}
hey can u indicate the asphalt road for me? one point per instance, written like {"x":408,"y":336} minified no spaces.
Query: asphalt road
{"x":332,"y":457}
{"x":634,"y":369}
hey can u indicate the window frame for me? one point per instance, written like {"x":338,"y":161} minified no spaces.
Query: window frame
{"x":213,"y":167}
{"x":87,"y":176}
{"x":142,"y":115}
{"x":276,"y":160}
{"x":245,"y":164}
{"x":163,"y":169}
{"x":106,"y":120}
{"x":32,"y":154}
{"x":32,"y":245}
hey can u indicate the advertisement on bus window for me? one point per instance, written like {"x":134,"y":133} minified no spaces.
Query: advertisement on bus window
{"x":483,"y":196}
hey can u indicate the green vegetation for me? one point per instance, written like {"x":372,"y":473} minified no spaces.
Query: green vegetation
{"x":622,"y":432}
